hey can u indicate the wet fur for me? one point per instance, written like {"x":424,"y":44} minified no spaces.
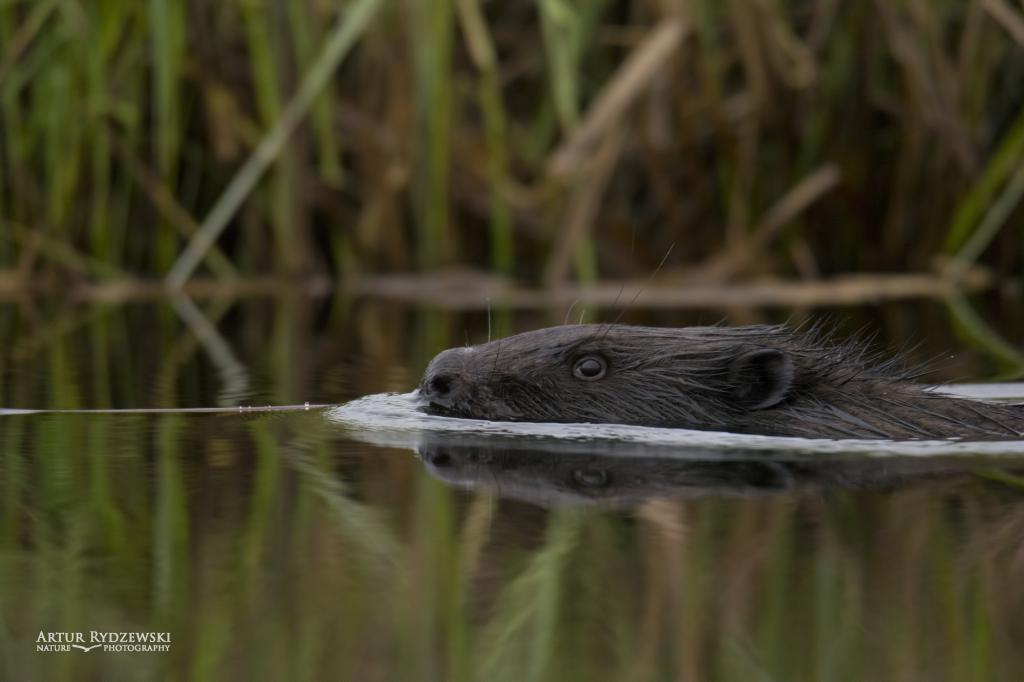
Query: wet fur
{"x":686,"y":378}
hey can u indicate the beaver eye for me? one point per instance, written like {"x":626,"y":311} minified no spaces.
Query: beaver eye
{"x":590,"y":368}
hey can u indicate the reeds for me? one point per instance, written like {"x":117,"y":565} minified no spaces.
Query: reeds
{"x":458,"y":131}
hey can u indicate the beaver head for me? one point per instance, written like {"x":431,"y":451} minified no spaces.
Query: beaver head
{"x":761,"y":379}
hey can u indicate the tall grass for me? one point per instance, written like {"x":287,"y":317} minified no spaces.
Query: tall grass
{"x":435,"y":140}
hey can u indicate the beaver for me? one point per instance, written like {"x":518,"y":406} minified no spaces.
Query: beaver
{"x":768,"y":380}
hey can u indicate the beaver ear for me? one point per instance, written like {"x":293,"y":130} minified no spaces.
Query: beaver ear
{"x":761,"y":378}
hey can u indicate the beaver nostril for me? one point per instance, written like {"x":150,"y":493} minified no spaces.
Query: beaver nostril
{"x":440,"y":385}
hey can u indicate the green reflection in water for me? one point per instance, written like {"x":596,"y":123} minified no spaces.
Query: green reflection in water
{"x":271,"y":547}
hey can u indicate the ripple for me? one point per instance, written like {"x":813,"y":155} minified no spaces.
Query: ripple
{"x":394,"y":420}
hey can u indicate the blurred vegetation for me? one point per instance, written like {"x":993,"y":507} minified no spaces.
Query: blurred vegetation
{"x":548,"y":139}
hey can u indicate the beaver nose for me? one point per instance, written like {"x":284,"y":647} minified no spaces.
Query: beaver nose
{"x":439,"y":388}
{"x":442,"y":383}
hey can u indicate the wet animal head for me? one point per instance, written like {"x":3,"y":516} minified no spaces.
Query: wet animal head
{"x":763,"y":379}
{"x":695,"y":377}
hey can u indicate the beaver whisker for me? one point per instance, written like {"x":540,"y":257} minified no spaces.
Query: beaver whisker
{"x":497,"y":355}
{"x":565,"y":320}
{"x":639,"y":291}
{"x":632,"y":252}
{"x":622,"y":288}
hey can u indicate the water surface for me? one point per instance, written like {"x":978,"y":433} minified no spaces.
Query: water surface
{"x":369,"y":541}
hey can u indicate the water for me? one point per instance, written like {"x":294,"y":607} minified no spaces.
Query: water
{"x":395,"y":420}
{"x":369,"y":541}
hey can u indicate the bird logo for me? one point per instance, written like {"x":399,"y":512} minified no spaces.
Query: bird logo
{"x":87,"y":648}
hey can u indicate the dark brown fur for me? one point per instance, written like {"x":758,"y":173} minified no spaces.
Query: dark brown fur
{"x":763,"y":379}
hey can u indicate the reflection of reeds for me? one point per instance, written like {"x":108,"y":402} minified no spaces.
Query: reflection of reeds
{"x":269,"y":548}
{"x":533,"y":137}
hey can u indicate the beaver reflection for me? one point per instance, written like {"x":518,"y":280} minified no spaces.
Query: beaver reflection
{"x":550,"y":476}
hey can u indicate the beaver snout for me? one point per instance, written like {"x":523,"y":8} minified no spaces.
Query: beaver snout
{"x":443,"y":384}
{"x":440,"y":389}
